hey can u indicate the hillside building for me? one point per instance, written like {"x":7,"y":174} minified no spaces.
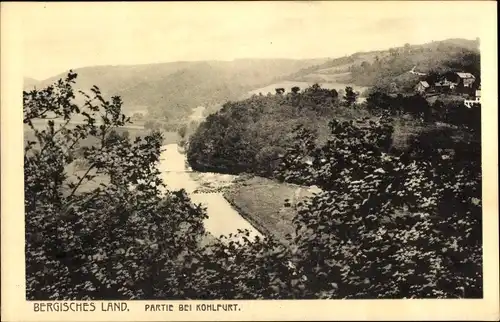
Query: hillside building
{"x":466,"y":80}
{"x":422,"y":87}
{"x":463,"y":82}
{"x":445,"y":86}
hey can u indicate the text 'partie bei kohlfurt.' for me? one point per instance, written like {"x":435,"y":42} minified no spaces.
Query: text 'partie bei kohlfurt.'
{"x":208,"y":307}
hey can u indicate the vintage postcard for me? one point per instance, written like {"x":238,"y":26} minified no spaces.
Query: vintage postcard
{"x":217,"y":161}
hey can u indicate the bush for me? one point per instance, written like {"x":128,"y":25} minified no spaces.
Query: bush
{"x":182,"y":131}
{"x":123,"y":239}
{"x":267,"y":159}
{"x":388,"y":226}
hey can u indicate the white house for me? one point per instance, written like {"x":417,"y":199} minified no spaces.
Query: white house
{"x":476,"y":100}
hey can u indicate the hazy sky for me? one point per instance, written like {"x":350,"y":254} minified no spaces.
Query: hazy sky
{"x":60,"y":36}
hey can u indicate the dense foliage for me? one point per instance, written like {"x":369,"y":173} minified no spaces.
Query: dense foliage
{"x":384,"y":225}
{"x":250,"y":135}
{"x":129,"y":237}
{"x":452,"y":112}
{"x":388,"y":226}
{"x":122,"y":239}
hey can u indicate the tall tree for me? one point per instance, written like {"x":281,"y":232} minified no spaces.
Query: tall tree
{"x":350,"y":96}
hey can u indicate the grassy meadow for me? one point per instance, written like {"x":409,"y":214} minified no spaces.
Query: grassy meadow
{"x":261,"y":201}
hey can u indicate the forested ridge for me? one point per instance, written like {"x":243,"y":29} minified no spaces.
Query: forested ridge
{"x":389,"y":68}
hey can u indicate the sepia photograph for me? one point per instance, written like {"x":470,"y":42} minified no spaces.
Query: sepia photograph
{"x":250,"y":151}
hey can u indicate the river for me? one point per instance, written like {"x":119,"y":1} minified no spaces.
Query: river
{"x":223,"y":219}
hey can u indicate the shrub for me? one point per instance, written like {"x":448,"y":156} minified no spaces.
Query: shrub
{"x":388,"y":226}
{"x":122,"y":240}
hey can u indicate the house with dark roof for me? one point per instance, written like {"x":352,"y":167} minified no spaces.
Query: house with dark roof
{"x":462,"y":79}
{"x":465,"y":80}
{"x":422,"y":87}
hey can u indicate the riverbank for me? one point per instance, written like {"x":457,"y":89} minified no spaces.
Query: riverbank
{"x":267,"y":204}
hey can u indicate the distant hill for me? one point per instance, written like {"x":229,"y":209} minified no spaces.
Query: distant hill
{"x":30,"y":82}
{"x":173,"y":89}
{"x":382,"y":67}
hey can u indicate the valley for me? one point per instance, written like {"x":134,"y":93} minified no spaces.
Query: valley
{"x":260,"y":179}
